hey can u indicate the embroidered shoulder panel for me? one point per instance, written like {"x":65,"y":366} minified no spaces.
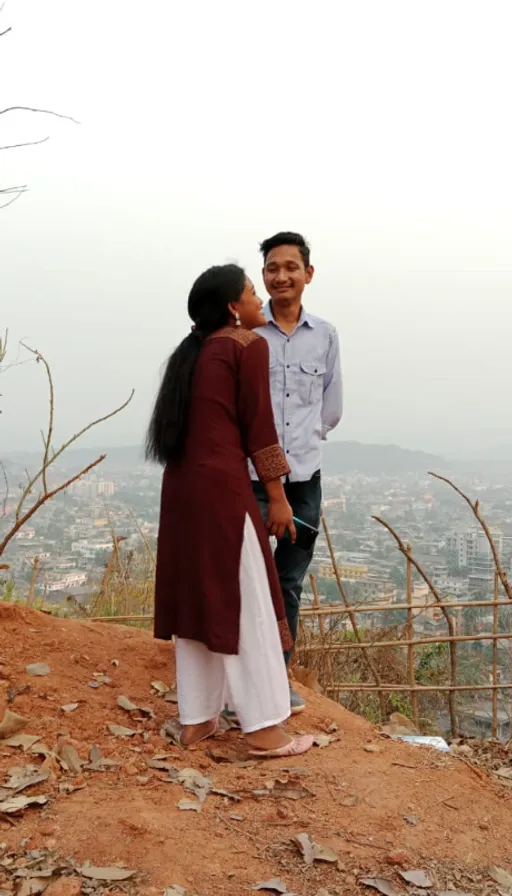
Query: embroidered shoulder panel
{"x":270,"y":463}
{"x":239,"y":334}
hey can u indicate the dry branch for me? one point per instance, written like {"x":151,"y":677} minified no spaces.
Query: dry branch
{"x":22,"y":516}
{"x":406,"y":551}
{"x":41,"y":111}
{"x":474,"y":505}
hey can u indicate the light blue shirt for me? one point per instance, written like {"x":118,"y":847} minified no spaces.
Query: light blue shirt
{"x":306,"y":389}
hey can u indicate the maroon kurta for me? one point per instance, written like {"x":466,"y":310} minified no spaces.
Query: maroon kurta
{"x":207,"y":495}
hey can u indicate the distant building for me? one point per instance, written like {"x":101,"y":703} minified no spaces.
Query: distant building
{"x":106,"y":488}
{"x":470,"y":550}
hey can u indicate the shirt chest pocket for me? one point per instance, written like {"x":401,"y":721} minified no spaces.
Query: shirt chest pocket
{"x":311,"y":382}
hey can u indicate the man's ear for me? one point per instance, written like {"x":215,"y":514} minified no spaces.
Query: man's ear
{"x":310,"y":271}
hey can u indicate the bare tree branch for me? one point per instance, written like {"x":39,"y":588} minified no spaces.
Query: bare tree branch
{"x":29,"y":143}
{"x":14,"y":198}
{"x":476,"y":512}
{"x":41,"y":111}
{"x":46,"y":439}
{"x":43,"y":499}
{"x":6,"y":30}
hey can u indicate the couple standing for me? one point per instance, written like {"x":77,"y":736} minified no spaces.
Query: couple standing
{"x":254,"y":382}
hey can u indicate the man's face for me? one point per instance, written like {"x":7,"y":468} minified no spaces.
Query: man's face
{"x":285,"y":276}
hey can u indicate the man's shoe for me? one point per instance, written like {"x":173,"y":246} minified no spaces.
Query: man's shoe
{"x":297,"y":704}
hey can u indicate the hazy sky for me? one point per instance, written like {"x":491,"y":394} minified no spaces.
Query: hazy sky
{"x":382,"y":130}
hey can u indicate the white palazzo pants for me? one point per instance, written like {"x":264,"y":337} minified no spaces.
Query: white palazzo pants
{"x":254,"y":682}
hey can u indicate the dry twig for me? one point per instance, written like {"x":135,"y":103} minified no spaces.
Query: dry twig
{"x":475,"y":507}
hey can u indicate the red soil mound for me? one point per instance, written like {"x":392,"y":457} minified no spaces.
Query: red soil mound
{"x":377,"y":808}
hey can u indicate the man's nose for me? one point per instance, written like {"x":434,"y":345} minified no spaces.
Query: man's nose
{"x":280,"y":277}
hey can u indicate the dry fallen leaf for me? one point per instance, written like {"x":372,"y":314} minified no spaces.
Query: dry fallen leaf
{"x":109,"y":873}
{"x":25,"y":741}
{"x":288,"y":789}
{"x":160,"y":687}
{"x":37,"y":669}
{"x":18,"y":803}
{"x":33,"y":886}
{"x":70,"y":759}
{"x":161,"y":765}
{"x":120,"y":730}
{"x":195,"y":783}
{"x":11,"y":724}
{"x":171,"y":696}
{"x":127,"y":704}
{"x":314,"y":852}
{"x":418,"y":879}
{"x":175,"y":890}
{"x":380,"y":884}
{"x":272,"y":886}
{"x":372,"y":748}
{"x":503,"y":878}
{"x":27,"y":776}
{"x":323,"y":740}
{"x":349,"y":801}
{"x":185,"y":805}
{"x":172,"y":731}
{"x":70,"y":707}
{"x":504,"y":772}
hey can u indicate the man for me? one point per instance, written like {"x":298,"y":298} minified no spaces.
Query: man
{"x":306,"y":388}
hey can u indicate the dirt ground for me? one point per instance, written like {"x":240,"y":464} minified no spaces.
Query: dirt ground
{"x":382,"y":807}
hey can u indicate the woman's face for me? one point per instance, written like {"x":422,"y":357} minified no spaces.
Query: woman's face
{"x":249,"y":308}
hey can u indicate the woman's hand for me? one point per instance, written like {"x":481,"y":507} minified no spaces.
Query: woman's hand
{"x":280,"y":518}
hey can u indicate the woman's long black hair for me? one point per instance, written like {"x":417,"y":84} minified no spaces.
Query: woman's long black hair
{"x":208,"y":308}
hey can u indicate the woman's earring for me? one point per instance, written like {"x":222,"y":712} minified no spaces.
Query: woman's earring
{"x":237,"y":320}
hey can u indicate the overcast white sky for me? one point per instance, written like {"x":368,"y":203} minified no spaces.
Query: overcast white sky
{"x":382,"y":130}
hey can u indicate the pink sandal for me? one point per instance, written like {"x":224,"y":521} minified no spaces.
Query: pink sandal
{"x":296,"y":747}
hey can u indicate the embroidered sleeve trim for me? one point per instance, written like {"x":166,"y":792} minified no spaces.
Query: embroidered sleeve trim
{"x":239,"y":334}
{"x":270,"y":463}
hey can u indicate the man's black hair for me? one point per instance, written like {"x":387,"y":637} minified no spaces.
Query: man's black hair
{"x":287,"y":238}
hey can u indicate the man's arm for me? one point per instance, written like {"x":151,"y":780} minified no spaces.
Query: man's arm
{"x":332,"y":407}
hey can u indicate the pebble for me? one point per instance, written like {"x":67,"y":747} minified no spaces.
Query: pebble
{"x":130,"y":769}
{"x":398,"y":858}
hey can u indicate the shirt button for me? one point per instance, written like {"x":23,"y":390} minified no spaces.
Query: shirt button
{"x":287,"y":366}
{"x":287,"y":394}
{"x":287,"y":424}
{"x":287,"y":450}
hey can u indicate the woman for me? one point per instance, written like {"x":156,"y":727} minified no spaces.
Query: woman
{"x":217,"y":589}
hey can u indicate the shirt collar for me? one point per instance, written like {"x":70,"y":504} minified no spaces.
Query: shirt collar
{"x":305,"y":319}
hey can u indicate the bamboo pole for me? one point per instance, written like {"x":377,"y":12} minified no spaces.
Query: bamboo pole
{"x":321,"y":623}
{"x":495,"y":627}
{"x":369,"y":661}
{"x":339,"y":610}
{"x":33,"y":580}
{"x":389,"y":688}
{"x":410,"y":648}
{"x":445,"y":639}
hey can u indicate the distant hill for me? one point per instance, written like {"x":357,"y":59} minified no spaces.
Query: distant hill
{"x":352,"y":457}
{"x":339,"y":457}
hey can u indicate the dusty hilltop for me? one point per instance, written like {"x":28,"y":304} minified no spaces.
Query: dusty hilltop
{"x":114,"y":794}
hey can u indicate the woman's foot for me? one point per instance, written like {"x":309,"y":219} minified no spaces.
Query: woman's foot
{"x":272,"y":738}
{"x":194,"y":734}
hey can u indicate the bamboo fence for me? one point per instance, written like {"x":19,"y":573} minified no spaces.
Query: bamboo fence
{"x":408,"y":641}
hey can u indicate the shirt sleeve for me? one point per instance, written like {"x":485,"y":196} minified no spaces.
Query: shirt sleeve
{"x":332,"y":407}
{"x":255,"y":414}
